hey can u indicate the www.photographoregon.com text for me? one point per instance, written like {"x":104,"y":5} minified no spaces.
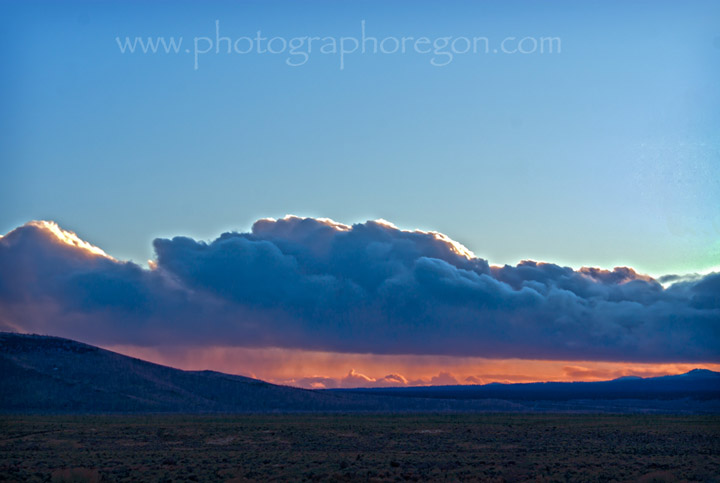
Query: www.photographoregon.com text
{"x":297,"y":51}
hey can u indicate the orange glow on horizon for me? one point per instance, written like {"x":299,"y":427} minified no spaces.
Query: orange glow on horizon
{"x":316,"y":369}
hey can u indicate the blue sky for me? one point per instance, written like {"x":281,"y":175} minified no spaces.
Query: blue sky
{"x":607,"y":153}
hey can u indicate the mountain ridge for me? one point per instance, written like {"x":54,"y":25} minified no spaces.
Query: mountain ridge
{"x":47,"y":374}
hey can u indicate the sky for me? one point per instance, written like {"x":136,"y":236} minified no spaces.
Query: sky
{"x":603,"y":152}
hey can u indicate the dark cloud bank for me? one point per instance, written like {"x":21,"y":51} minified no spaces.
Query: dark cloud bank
{"x":368,"y":288}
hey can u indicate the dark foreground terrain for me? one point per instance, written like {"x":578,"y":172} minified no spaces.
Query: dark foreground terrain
{"x":489,"y":447}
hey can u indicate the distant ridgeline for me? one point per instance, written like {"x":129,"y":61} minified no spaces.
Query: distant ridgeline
{"x":40,"y":374}
{"x":699,"y":384}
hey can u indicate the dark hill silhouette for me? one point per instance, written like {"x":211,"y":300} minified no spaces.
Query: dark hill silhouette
{"x":698,"y":384}
{"x":52,"y":375}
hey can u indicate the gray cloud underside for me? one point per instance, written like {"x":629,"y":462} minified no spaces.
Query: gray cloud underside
{"x":369,"y":288}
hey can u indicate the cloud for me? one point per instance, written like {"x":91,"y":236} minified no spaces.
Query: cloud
{"x":444,"y":379}
{"x":314,"y":382}
{"x":355,"y":379}
{"x":315,"y":284}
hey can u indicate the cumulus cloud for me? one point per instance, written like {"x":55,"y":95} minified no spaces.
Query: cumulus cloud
{"x":367,"y":288}
{"x":444,"y":379}
{"x":355,"y":379}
